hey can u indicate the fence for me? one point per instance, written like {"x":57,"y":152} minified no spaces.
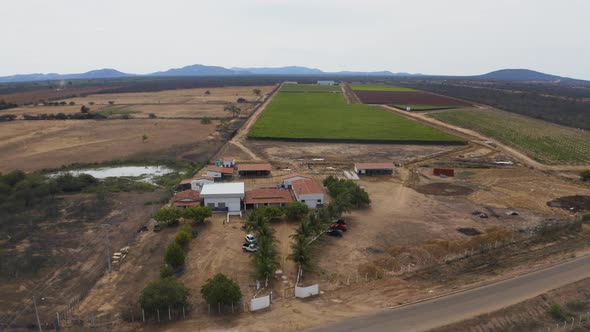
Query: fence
{"x":303,"y":292}
{"x":260,"y":302}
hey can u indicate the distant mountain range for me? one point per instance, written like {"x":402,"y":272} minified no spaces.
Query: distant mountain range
{"x":203,"y":70}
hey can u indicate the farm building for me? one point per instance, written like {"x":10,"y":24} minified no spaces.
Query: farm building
{"x":185,"y":184}
{"x":374,"y":168}
{"x":197,"y":184}
{"x":223,"y":196}
{"x":267,"y":196}
{"x":217,"y":172}
{"x":326,"y":83}
{"x":186,"y":198}
{"x":254,"y":169}
{"x":288,"y":179}
{"x":443,"y":171}
{"x":229,"y":162}
{"x":308,"y":192}
{"x":290,"y":82}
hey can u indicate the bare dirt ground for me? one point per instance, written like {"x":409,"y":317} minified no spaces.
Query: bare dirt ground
{"x":38,"y":110}
{"x":181,"y":96}
{"x":34,"y":145}
{"x":185,"y":110}
{"x":73,"y":248}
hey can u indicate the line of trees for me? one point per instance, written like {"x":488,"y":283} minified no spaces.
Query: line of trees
{"x":7,"y":117}
{"x":585,"y":175}
{"x":6,"y":105}
{"x":63,"y":116}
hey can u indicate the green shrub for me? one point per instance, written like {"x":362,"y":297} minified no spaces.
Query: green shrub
{"x":556,"y":311}
{"x":205,"y":120}
{"x":295,"y":210}
{"x":585,"y":175}
{"x":183,"y":238}
{"x":166,"y":271}
{"x":221,"y":290}
{"x":163,"y":293}
{"x":197,"y":213}
{"x":174,"y":256}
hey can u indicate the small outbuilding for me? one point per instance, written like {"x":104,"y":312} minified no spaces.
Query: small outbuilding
{"x":374,"y":168}
{"x":326,"y":83}
{"x":223,"y":196}
{"x":218,"y":172}
{"x":186,"y":198}
{"x":267,"y":197}
{"x":229,"y":162}
{"x":308,"y":192}
{"x":197,"y":184}
{"x":288,"y":179}
{"x":254,"y":169}
{"x":185,"y":184}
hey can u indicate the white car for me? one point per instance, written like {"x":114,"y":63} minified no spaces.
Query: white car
{"x":249,"y":247}
{"x":250,"y":238}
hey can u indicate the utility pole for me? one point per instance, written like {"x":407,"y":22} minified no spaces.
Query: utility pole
{"x":108,"y":247}
{"x":37,"y":314}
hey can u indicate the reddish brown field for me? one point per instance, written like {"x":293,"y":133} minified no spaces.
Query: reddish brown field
{"x":410,"y":98}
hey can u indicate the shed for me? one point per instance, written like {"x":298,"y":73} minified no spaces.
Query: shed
{"x":308,"y":192}
{"x":229,"y":161}
{"x":217,"y":172}
{"x":267,"y":196}
{"x":185,"y":184}
{"x":223,"y":196}
{"x":186,"y":198}
{"x":254,"y":169}
{"x":443,"y":171}
{"x":374,"y":168}
{"x":326,"y":83}
{"x":288,"y":179}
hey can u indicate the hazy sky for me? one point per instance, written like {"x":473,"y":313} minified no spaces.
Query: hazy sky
{"x":457,"y":37}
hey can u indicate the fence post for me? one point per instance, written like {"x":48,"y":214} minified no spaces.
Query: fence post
{"x":143,"y":315}
{"x":232,"y":307}
{"x":57,"y":314}
{"x":218,"y":307}
{"x":209,"y":308}
{"x":132,"y":316}
{"x":183,"y":315}
{"x":158,"y":311}
{"x":169,"y":314}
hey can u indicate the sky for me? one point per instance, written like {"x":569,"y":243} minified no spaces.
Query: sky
{"x":439,"y":37}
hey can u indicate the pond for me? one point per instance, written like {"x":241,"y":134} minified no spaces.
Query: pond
{"x":143,"y":173}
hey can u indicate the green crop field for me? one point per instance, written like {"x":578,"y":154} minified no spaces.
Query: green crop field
{"x":328,"y":116}
{"x":379,"y":87}
{"x":545,"y":142}
{"x":310,"y":88}
{"x":425,"y":107}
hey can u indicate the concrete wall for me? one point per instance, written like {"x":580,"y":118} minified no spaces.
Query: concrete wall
{"x":303,"y":292}
{"x":215,"y":175}
{"x":232,"y":203}
{"x":260,"y":303}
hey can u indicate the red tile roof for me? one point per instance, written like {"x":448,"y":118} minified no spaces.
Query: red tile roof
{"x":222,"y":170}
{"x":254,"y":167}
{"x":296,"y":175}
{"x":306,"y":187}
{"x":374,"y":166}
{"x":187,"y":198}
{"x":186,"y":181}
{"x":268,"y":195}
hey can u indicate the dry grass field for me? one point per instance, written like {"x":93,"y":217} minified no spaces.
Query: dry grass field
{"x":34,"y":145}
{"x":184,"y":96}
{"x":38,"y":110}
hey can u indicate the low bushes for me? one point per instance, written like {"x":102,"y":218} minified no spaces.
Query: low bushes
{"x":221,"y":290}
{"x":162,"y":294}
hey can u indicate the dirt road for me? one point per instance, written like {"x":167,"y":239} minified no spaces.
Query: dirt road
{"x":423,"y":118}
{"x":459,"y":306}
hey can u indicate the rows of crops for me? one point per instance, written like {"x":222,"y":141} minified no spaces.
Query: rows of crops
{"x":310,"y":88}
{"x":545,"y":142}
{"x":327,"y":116}
{"x":379,"y":87}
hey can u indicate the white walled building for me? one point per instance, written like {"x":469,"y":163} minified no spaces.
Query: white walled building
{"x":223,"y":196}
{"x":197,"y":184}
{"x":307,"y":191}
{"x":326,"y":83}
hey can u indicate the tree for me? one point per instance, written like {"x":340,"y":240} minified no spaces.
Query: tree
{"x":174,"y":256}
{"x":295,"y":210}
{"x":163,"y":293}
{"x":221,"y":290}
{"x":197,"y":213}
{"x":84,"y":109}
{"x":233,"y":109}
{"x":111,"y":102}
{"x":152,"y":116}
{"x":266,"y":257}
{"x":144,"y":138}
{"x":183,"y":238}
{"x":255,"y":221}
{"x":168,"y":215}
{"x":257,"y":92}
{"x":300,"y":254}
{"x":166,"y":271}
{"x":206,"y":120}
{"x":90,"y":103}
{"x":270,"y":212}
{"x":207,"y":92}
{"x":241,"y":100}
{"x":72,"y":103}
{"x":585,"y":175}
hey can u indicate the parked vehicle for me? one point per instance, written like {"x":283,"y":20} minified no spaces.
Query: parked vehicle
{"x":250,"y":238}
{"x":341,"y":227}
{"x":335,"y":232}
{"x":341,"y":221}
{"x":157,"y":228}
{"x":249,"y":247}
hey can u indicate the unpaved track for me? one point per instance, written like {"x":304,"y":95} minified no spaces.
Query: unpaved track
{"x":448,"y":309}
{"x":242,"y":133}
{"x":423,"y":118}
